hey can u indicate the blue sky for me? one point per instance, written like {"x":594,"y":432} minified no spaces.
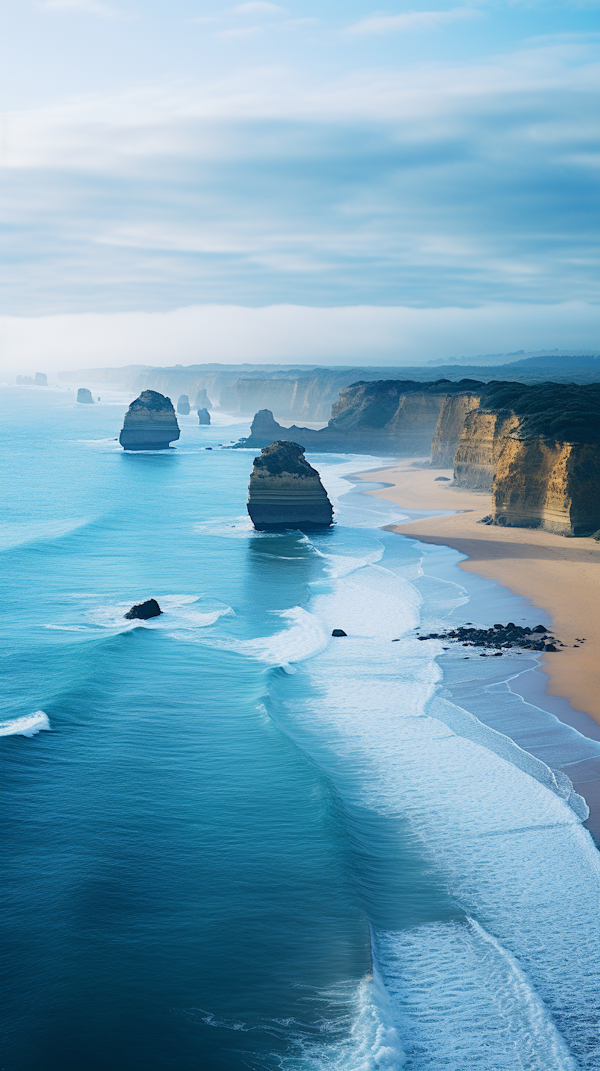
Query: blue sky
{"x":163,"y":156}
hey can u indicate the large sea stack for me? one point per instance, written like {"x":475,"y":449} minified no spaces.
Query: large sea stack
{"x":202,"y":400}
{"x":85,"y":396}
{"x":203,"y":416}
{"x":285,"y":491}
{"x":183,"y":405}
{"x":150,"y":423}
{"x":41,"y":379}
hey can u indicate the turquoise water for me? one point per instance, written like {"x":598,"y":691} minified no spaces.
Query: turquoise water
{"x":237,"y":843}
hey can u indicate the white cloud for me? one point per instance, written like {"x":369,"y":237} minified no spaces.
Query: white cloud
{"x":257,"y":7}
{"x":411,"y":20}
{"x":285,"y":333}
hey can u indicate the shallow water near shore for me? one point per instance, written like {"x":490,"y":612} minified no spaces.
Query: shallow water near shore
{"x":239,"y":843}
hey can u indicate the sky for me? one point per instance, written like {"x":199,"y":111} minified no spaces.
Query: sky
{"x":189,"y":181}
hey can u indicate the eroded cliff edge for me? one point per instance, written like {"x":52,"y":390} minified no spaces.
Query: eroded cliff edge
{"x":285,"y":491}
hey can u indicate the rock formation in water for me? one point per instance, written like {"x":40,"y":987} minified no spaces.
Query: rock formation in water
{"x":85,"y":396}
{"x":285,"y":491}
{"x":203,"y":416}
{"x":150,"y":423}
{"x":41,"y":379}
{"x":202,"y":400}
{"x":143,"y":611}
{"x":183,"y":405}
{"x":25,"y":381}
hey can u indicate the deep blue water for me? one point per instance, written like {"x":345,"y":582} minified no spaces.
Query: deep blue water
{"x":243,"y":844}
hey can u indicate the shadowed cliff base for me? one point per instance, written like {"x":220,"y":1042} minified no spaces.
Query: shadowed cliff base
{"x":286,"y":492}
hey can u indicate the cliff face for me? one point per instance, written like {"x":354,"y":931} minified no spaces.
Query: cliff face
{"x":450,"y":426}
{"x":479,"y":447}
{"x":285,"y":491}
{"x":547,"y":484}
{"x":150,"y":423}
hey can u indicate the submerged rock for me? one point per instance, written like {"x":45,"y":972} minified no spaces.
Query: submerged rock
{"x":183,"y":405}
{"x":203,"y":416}
{"x":150,"y":423}
{"x":202,"y":400}
{"x":85,"y":396}
{"x":285,"y":491}
{"x":142,"y":611}
{"x":442,"y":479}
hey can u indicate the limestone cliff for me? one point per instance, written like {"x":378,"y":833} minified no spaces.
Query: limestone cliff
{"x":543,"y":483}
{"x":480,"y":445}
{"x":203,"y":416}
{"x":150,"y":423}
{"x":450,"y":426}
{"x":285,"y":491}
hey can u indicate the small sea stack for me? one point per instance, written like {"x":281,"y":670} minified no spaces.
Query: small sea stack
{"x":285,"y":491}
{"x":150,"y":423}
{"x":183,"y":405}
{"x":41,"y":379}
{"x":85,"y":396}
{"x":203,"y":416}
{"x":143,"y":611}
{"x":202,"y":400}
{"x":25,"y":381}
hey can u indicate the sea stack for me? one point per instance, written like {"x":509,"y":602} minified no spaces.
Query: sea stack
{"x":41,"y":379}
{"x":143,"y":611}
{"x":203,"y":416}
{"x":285,"y":491}
{"x":183,"y":405}
{"x":202,"y":400}
{"x":150,"y":423}
{"x":85,"y":396}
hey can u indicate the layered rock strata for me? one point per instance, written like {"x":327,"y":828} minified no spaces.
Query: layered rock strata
{"x":541,"y":483}
{"x":150,"y":423}
{"x":450,"y":427}
{"x":285,"y":491}
{"x":203,"y":416}
{"x":479,"y":447}
{"x":183,"y":405}
{"x":85,"y":396}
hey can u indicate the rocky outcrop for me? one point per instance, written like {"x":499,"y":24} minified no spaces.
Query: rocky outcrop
{"x":203,"y":416}
{"x":25,"y":381}
{"x":150,"y":423}
{"x":183,"y":405}
{"x":285,"y":491}
{"x":541,"y":483}
{"x":41,"y":379}
{"x":143,"y":611}
{"x":202,"y":400}
{"x":85,"y":396}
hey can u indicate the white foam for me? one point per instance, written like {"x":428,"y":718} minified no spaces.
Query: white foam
{"x":176,"y":613}
{"x":17,"y":534}
{"x":28,"y":725}
{"x":303,"y":639}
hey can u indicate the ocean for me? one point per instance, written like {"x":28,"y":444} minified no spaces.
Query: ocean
{"x":232,"y":841}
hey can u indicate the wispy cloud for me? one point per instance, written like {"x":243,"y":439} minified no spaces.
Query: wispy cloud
{"x":411,"y":20}
{"x":88,"y":7}
{"x":258,"y":7}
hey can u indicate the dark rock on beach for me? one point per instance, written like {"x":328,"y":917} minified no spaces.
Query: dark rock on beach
{"x":285,"y":491}
{"x":338,"y":632}
{"x":150,"y":423}
{"x":142,"y":611}
{"x":85,"y":396}
{"x":183,"y":405}
{"x":203,"y":416}
{"x":500,"y":636}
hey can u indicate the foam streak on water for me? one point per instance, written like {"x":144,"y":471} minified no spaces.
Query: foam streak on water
{"x":28,"y":725}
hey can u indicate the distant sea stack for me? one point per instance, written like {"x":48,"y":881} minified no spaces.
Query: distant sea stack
{"x":203,"y":416}
{"x":202,"y":400}
{"x":285,"y":491}
{"x":41,"y":379}
{"x":183,"y":405}
{"x":150,"y":423}
{"x":25,"y":381}
{"x":85,"y":396}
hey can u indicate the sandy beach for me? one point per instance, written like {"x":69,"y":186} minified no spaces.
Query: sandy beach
{"x":558,"y":574}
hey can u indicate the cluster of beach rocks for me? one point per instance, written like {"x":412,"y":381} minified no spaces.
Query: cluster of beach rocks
{"x":500,"y":637}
